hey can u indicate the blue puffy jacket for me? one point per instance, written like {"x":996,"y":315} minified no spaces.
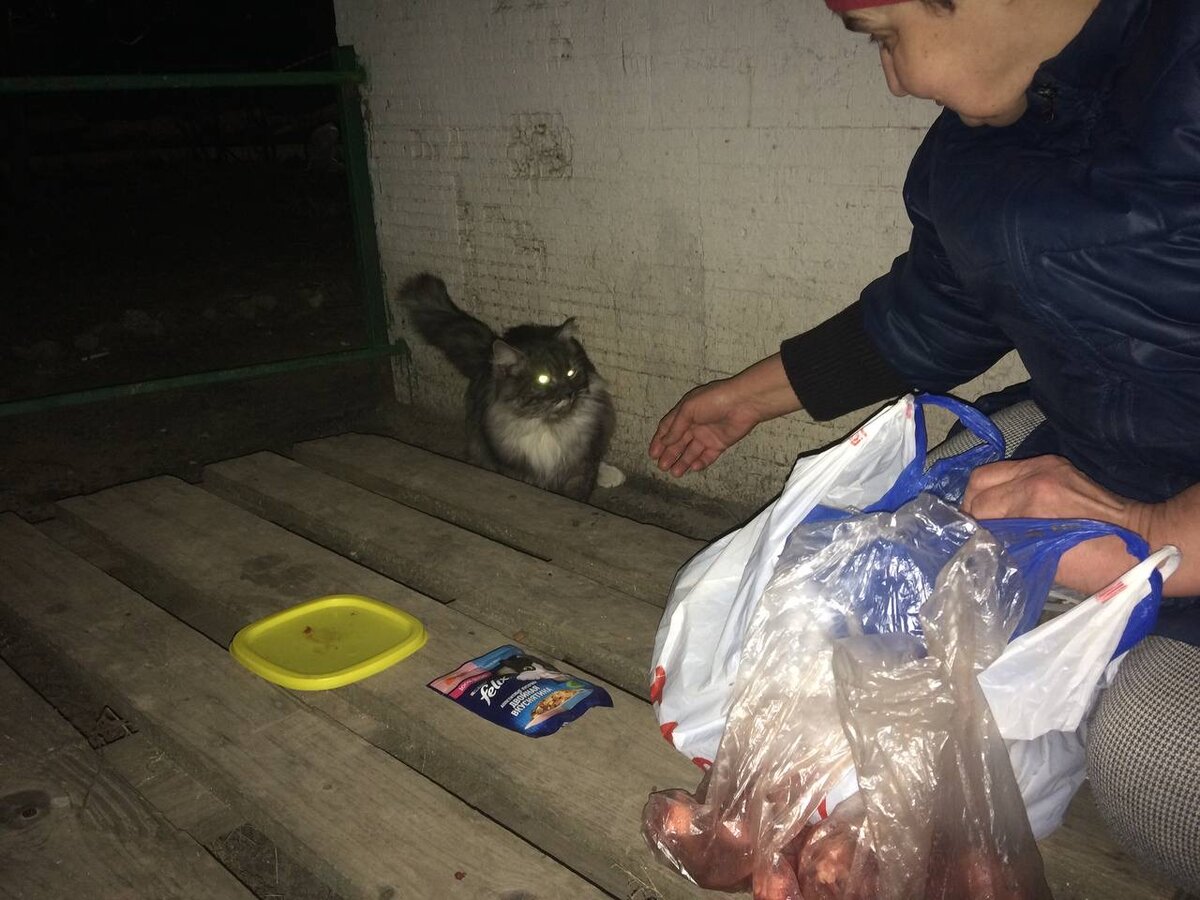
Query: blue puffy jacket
{"x":1073,"y":237}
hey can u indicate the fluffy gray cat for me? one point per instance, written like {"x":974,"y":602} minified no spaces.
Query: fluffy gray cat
{"x":536,"y":408}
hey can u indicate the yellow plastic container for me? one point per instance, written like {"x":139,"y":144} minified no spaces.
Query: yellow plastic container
{"x":327,"y":642}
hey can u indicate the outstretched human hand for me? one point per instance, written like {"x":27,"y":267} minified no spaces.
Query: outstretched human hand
{"x":701,"y":426}
{"x":711,"y":418}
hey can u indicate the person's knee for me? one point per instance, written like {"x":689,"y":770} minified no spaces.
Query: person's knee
{"x":1144,"y":758}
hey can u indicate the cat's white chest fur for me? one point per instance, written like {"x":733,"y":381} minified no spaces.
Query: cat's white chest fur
{"x":547,"y":447}
{"x":542,"y":445}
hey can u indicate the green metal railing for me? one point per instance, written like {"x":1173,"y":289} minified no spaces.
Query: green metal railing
{"x":346,"y":75}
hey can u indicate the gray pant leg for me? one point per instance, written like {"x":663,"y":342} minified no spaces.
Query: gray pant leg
{"x":1143,"y":745}
{"x":1015,"y":422}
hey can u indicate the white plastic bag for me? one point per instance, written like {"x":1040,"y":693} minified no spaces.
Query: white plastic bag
{"x":700,"y":638}
{"x":832,"y":680}
{"x":1045,"y":684}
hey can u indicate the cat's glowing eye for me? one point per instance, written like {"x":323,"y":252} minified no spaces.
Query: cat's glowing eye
{"x":570,"y":373}
{"x":543,"y":379}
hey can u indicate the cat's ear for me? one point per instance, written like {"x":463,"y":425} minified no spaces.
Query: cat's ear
{"x":566,"y":330}
{"x":506,"y":356}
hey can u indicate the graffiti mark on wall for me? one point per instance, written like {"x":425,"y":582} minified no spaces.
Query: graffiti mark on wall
{"x":539,"y":146}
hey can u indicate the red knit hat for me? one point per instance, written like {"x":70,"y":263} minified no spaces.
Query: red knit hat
{"x":841,"y":6}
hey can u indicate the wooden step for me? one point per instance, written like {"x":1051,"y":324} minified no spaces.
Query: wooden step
{"x":69,"y":827}
{"x":371,"y":826}
{"x":577,"y":794}
{"x":639,"y":559}
{"x":557,"y":611}
{"x":134,"y":757}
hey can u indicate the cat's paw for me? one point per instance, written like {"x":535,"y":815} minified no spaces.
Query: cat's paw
{"x":609,"y":476}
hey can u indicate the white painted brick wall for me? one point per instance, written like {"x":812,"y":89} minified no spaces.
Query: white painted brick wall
{"x":694,"y":180}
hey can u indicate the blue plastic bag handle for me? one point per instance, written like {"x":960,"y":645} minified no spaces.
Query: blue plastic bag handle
{"x":1064,"y":535}
{"x":913,"y":478}
{"x":1037,"y":543}
{"x":972,"y":419}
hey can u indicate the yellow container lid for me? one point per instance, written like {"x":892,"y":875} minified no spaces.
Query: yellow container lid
{"x":327,"y":642}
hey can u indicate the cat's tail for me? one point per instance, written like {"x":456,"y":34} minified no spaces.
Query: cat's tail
{"x":465,"y":341}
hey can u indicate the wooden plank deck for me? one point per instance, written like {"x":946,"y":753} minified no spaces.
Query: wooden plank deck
{"x":638,"y":559}
{"x":560,"y":612}
{"x":300,"y":777}
{"x":70,"y":828}
{"x":217,"y":567}
{"x":385,"y":789}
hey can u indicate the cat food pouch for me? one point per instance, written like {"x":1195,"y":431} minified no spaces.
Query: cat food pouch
{"x":520,"y":692}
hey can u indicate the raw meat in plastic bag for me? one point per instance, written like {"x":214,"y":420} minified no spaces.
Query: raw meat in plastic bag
{"x":783,"y":751}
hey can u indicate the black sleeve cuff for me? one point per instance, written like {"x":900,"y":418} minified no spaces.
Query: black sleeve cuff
{"x":835,"y":368}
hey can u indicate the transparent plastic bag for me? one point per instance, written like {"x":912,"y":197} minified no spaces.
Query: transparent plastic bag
{"x":943,"y":812}
{"x":756,"y":821}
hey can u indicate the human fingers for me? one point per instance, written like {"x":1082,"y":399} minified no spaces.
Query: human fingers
{"x":674,"y":442}
{"x":707,"y":458}
{"x":1049,"y":487}
{"x":996,"y":502}
{"x":998,"y":473}
{"x":1004,"y":493}
{"x":993,"y":474}
{"x":690,"y":454}
{"x":1002,"y":488}
{"x":659,"y":440}
{"x":670,"y":456}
